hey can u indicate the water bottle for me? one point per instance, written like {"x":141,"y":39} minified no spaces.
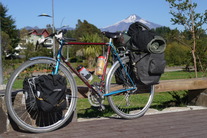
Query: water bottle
{"x":85,"y":73}
{"x":100,"y":65}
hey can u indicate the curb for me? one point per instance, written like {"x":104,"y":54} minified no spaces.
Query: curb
{"x":153,"y":112}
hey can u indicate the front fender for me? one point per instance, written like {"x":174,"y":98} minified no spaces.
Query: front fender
{"x":42,"y":57}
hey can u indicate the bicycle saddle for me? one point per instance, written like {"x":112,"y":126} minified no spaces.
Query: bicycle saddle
{"x":112,"y":35}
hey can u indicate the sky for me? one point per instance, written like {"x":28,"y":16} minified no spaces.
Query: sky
{"x":101,"y":13}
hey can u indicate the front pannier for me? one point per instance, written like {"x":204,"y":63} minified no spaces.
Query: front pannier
{"x":51,"y":89}
{"x":45,"y":93}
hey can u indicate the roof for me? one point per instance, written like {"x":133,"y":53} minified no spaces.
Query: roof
{"x":39,"y":32}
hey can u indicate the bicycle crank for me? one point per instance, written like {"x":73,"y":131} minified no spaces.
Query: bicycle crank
{"x":94,"y":99}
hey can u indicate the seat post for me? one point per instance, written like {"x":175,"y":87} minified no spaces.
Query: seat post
{"x":110,"y":40}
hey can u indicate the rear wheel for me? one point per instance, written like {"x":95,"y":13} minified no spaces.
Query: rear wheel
{"x":28,"y":118}
{"x":129,"y":104}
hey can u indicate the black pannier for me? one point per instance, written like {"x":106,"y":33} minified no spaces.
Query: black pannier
{"x":146,"y":54}
{"x":45,"y":93}
{"x":148,"y":67}
{"x":145,"y":40}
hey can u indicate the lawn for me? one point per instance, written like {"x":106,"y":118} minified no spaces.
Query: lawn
{"x":181,"y":75}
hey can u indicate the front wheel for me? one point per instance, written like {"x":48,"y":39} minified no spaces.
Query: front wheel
{"x":129,"y":104}
{"x":23,"y":113}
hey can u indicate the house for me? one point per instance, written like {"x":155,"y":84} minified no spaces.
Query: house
{"x":35,"y":37}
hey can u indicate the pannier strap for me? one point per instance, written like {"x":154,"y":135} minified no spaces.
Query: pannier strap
{"x":137,"y":56}
{"x":112,"y":35}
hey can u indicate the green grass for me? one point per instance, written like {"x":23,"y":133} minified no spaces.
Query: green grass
{"x":167,"y":99}
{"x":181,"y":75}
{"x":85,"y":110}
{"x":161,"y":101}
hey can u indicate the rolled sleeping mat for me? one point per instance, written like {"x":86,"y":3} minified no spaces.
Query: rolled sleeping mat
{"x":156,"y":45}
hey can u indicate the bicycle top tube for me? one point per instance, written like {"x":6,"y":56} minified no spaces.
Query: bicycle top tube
{"x":83,"y":43}
{"x":110,"y":35}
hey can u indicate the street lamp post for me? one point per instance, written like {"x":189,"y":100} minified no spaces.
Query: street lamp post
{"x":53,"y":26}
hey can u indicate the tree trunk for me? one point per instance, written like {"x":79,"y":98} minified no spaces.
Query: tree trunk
{"x":195,"y":63}
{"x":194,"y":41}
{"x":90,"y":62}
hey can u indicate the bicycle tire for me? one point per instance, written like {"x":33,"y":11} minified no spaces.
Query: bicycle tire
{"x":38,"y":121}
{"x":130,"y":104}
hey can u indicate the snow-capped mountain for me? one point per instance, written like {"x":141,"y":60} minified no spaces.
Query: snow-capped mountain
{"x":123,"y":25}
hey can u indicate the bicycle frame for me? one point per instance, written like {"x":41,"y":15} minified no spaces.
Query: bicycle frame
{"x":109,"y":47}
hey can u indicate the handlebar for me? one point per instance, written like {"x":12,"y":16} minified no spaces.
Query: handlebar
{"x":58,"y":35}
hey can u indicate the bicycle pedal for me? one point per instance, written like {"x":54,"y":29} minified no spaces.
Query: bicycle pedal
{"x":102,"y":108}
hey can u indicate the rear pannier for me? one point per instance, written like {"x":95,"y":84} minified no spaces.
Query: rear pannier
{"x":146,"y":54}
{"x":148,"y":67}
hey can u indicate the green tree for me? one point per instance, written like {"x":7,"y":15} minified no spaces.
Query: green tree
{"x":163,"y":31}
{"x":84,"y":27}
{"x":9,"y":31}
{"x":87,"y":32}
{"x":5,"y":43}
{"x":91,"y":51}
{"x":177,"y":54}
{"x":202,"y":52}
{"x":30,"y":51}
{"x":184,"y":14}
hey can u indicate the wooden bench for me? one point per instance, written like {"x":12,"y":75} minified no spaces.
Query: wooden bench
{"x":181,"y":84}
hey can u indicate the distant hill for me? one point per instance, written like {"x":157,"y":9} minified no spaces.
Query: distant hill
{"x":124,"y":24}
{"x":31,"y":28}
{"x":36,"y":28}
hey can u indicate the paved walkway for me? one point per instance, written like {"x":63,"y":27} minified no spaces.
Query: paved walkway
{"x":166,"y":125}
